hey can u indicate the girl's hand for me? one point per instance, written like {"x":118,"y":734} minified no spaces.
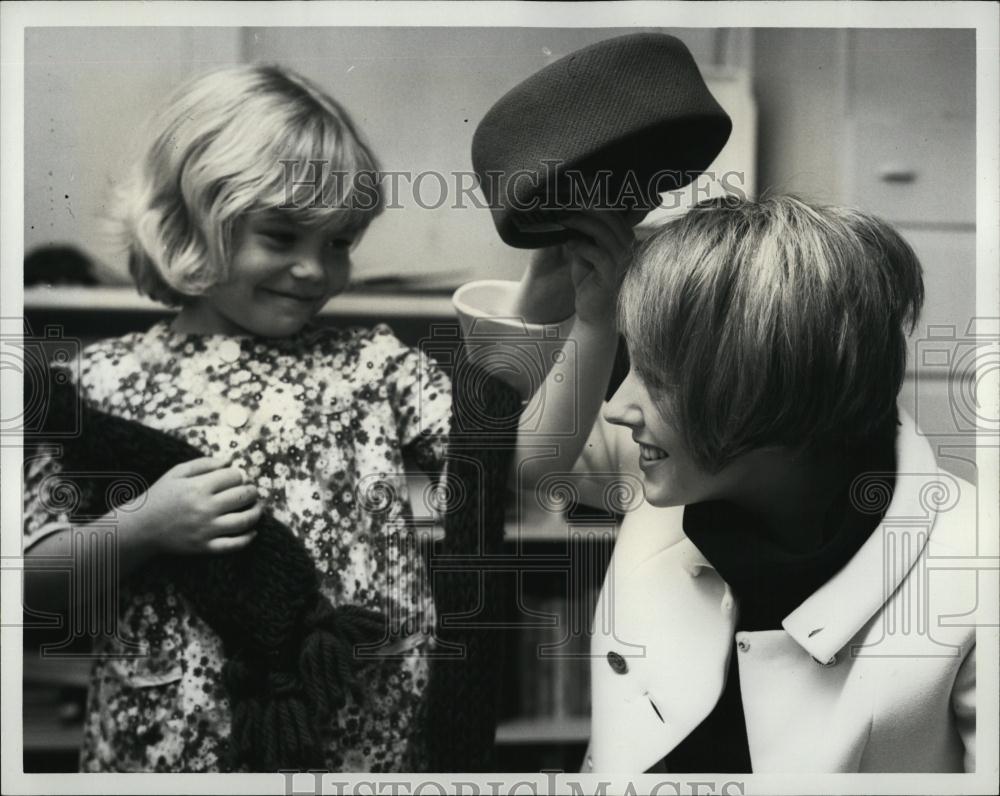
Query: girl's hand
{"x":199,"y":506}
{"x":598,"y":261}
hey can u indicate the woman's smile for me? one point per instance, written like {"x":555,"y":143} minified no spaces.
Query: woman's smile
{"x":649,"y":455}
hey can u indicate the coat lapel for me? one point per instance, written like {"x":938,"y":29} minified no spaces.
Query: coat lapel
{"x":652,"y":685}
{"x":667,"y":614}
{"x":833,"y":615}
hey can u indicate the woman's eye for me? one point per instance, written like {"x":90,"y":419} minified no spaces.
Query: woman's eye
{"x":341,"y":244}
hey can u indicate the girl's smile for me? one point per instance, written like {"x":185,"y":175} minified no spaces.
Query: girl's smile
{"x":280,"y":275}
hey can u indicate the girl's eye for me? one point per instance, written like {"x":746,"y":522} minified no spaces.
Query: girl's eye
{"x":341,"y":244}
{"x":277,"y":238}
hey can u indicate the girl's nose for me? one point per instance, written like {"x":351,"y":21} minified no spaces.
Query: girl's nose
{"x":623,"y":409}
{"x":309,"y":266}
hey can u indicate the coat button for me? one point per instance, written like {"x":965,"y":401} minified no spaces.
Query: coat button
{"x":235,"y":416}
{"x":743,"y":645}
{"x":229,"y":350}
{"x":617,"y":663}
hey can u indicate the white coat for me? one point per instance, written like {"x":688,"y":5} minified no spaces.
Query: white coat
{"x":875,"y":672}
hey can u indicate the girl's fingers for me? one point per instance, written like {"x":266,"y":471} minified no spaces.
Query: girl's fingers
{"x":229,"y":544}
{"x":237,"y":522}
{"x":222,"y":479}
{"x":236,"y":498}
{"x":194,"y":467}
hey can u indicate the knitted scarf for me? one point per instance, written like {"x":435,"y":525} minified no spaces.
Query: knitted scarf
{"x":290,"y":661}
{"x":471,"y":589}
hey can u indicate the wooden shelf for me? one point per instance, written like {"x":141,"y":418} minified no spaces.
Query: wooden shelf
{"x":45,"y":733}
{"x":54,"y":670}
{"x":125,"y":299}
{"x":45,"y":678}
{"x":569,"y":729}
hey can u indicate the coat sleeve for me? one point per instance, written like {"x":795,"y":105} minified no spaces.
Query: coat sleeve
{"x":608,"y":468}
{"x":963,"y":702}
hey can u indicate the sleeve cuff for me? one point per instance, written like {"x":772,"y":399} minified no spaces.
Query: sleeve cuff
{"x":485,"y":308}
{"x":503,"y":344}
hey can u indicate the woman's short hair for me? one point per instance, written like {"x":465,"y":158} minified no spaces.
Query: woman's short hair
{"x":771,"y":323}
{"x":232,"y":142}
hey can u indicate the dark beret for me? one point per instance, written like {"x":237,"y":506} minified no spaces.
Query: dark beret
{"x":614,"y":124}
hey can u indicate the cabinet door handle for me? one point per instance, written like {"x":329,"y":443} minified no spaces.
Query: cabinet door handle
{"x":897,"y":175}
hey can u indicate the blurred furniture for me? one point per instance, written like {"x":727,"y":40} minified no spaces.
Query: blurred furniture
{"x":885,"y":120}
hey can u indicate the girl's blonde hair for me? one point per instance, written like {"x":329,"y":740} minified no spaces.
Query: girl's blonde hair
{"x":772,"y":322}
{"x":230,"y":143}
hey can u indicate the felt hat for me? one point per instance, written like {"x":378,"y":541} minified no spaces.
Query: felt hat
{"x":614,"y":124}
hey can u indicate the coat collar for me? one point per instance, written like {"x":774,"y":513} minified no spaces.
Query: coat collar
{"x":833,"y":615}
{"x":827,"y":620}
{"x":673,"y":681}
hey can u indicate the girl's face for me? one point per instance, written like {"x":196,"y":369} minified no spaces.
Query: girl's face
{"x":280,"y":275}
{"x":671,"y":477}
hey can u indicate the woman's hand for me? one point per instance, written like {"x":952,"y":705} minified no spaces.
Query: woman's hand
{"x":598,"y":259}
{"x":199,"y":506}
{"x":583,"y":272}
{"x":595,"y":262}
{"x":546,"y":293}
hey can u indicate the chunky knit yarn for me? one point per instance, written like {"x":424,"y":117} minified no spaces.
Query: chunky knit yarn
{"x":470,"y":599}
{"x":290,"y":653}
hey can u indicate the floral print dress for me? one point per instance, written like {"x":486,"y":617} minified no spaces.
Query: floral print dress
{"x":319,"y":422}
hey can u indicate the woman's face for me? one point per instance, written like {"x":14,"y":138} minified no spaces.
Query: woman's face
{"x":280,"y":275}
{"x":671,"y":476}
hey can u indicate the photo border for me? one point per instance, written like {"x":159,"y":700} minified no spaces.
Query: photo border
{"x":17,"y":16}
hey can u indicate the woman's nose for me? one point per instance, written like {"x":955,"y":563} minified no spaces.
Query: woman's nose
{"x":622,"y":409}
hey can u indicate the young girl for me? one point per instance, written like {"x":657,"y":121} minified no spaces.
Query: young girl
{"x":243,"y":213}
{"x":770,"y":607}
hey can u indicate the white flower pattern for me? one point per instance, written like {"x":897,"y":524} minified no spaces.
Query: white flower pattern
{"x":372,"y":397}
